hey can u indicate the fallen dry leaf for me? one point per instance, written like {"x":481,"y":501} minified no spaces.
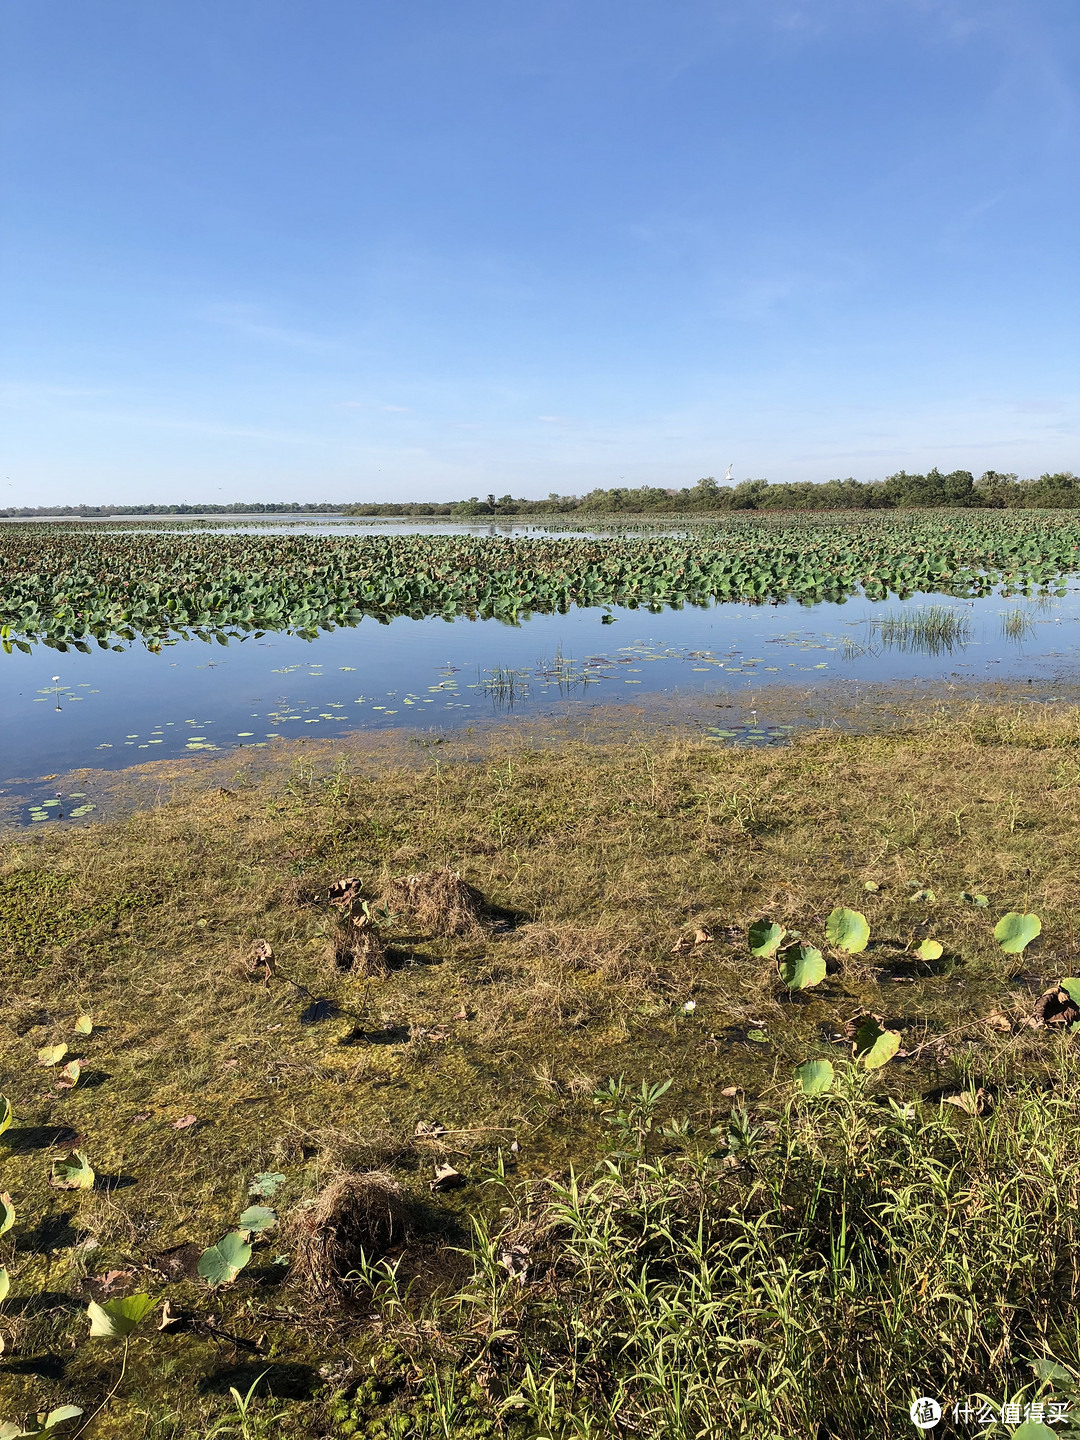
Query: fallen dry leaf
{"x":429,"y":1130}
{"x":344,"y":892}
{"x":515,"y":1260}
{"x":970,"y":1104}
{"x":462,"y":1014}
{"x":109,"y":1279}
{"x":702,"y":937}
{"x":185,"y":1122}
{"x":730,"y":1090}
{"x":447,"y":1178}
{"x":168,"y":1319}
{"x":998,"y":1021}
{"x":262,"y":958}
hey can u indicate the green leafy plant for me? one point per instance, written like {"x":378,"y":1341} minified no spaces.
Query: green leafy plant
{"x":764,"y":937}
{"x":1014,"y":931}
{"x":930,"y":950}
{"x":116,"y":1319}
{"x":873,"y":1045}
{"x":802,"y":966}
{"x":222,"y":1263}
{"x":815,"y":1077}
{"x":45,"y":1420}
{"x":257,"y":1218}
{"x":72,"y":1172}
{"x":973,"y":899}
{"x":263,"y":1185}
{"x":847,"y":930}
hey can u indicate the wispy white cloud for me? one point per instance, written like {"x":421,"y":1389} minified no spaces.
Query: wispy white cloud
{"x":252,"y":322}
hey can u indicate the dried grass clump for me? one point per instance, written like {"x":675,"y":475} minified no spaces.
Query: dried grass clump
{"x":358,"y":946}
{"x":440,"y":901}
{"x":355,"y":1217}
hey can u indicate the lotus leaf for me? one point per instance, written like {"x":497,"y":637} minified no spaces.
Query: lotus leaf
{"x":875,"y":1046}
{"x":1071,"y":986}
{"x":801,"y":967}
{"x":73,"y":1172}
{"x":116,"y":1319}
{"x":51,"y":1054}
{"x":815,"y":1076}
{"x":847,"y":930}
{"x":84,"y":1025}
{"x":222,"y":1263}
{"x":264,"y":1185}
{"x":764,"y":938}
{"x":45,"y":1420}
{"x":7,"y":1213}
{"x":1014,"y":932}
{"x":930,"y":950}
{"x":5,"y":1283}
{"x":5,"y":1113}
{"x":257,"y":1217}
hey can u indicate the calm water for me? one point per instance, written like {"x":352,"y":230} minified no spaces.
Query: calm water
{"x":111,"y":709}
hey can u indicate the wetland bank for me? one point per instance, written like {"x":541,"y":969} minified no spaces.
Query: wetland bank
{"x":541,"y":1079}
{"x":649,"y":1228}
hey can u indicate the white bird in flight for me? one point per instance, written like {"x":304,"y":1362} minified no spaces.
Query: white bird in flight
{"x":728,"y":475}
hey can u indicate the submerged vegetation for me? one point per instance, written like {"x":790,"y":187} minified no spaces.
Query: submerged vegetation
{"x":696,"y":1092}
{"x":68,"y":587}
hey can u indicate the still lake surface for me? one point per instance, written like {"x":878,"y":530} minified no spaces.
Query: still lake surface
{"x":107,"y":710}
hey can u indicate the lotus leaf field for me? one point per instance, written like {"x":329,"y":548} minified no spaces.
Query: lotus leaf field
{"x":69,"y":587}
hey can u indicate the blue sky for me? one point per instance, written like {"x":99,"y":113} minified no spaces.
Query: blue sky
{"x":383,"y":249}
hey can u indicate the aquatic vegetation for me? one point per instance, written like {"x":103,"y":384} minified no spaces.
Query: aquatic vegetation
{"x":927,"y":630}
{"x":70,"y":588}
{"x":1017,"y":624}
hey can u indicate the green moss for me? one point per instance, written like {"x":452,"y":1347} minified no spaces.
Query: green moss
{"x":42,"y":909}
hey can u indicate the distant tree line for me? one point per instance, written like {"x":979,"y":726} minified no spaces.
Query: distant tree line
{"x":958,"y":489}
{"x":902,"y":491}
{"x":92,"y":512}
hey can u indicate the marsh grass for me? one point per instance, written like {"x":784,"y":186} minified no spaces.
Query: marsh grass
{"x":601,"y":855}
{"x":924,"y":630}
{"x":1017,"y":624}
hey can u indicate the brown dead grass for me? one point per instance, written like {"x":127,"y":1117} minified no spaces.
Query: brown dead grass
{"x":440,"y":902}
{"x":355,"y":1218}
